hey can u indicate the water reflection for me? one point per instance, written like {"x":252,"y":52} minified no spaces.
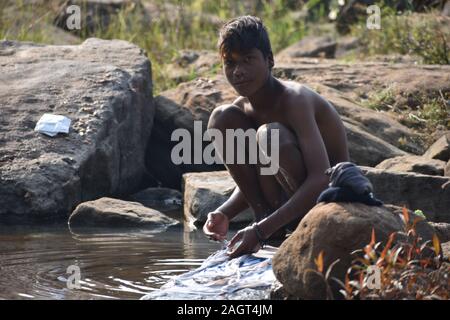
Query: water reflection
{"x":113,"y":264}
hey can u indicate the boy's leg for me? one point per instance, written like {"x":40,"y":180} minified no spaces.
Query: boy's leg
{"x":292,"y":171}
{"x":264,"y":193}
{"x":245,"y":175}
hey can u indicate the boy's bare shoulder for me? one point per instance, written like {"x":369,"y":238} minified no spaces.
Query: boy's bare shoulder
{"x":301,"y":96}
{"x":240,"y":102}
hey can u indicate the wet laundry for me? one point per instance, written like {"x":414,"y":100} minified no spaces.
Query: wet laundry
{"x":246,"y":277}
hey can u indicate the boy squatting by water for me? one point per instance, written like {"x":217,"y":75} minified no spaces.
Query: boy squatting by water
{"x":311,"y":139}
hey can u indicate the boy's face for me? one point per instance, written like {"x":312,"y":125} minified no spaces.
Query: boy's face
{"x":246,"y":71}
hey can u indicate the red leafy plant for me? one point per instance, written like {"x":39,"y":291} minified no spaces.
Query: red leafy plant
{"x":404,"y":268}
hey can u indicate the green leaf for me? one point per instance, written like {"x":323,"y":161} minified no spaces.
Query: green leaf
{"x":420,"y":214}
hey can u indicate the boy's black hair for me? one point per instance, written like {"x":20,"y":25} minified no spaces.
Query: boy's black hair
{"x":242,"y":34}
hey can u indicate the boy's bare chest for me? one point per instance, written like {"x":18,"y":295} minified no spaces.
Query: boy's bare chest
{"x":259,"y":118}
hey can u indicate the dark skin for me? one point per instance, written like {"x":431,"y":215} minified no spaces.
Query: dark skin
{"x":312,"y":138}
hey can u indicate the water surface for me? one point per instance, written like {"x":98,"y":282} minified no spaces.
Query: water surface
{"x":113,"y":264}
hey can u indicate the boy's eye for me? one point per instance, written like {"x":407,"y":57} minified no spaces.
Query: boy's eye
{"x":228,"y":62}
{"x":248,"y":59}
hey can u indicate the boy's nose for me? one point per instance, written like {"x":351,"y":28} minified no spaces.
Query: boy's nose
{"x":238,"y":72}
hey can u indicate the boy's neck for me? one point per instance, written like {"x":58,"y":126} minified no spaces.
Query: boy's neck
{"x":266,"y":96}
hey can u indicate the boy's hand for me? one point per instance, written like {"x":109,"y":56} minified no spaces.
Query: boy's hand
{"x":216,"y":227}
{"x":249,"y":244}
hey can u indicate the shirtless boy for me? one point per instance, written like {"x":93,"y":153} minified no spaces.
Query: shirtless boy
{"x":311,"y":139}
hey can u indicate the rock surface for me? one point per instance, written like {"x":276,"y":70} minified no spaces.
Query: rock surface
{"x":355,"y":81}
{"x":191,"y":62}
{"x":442,"y":230}
{"x":114,"y":213}
{"x":446,"y":250}
{"x":178,"y":108}
{"x":447,"y":169}
{"x":337,"y":229}
{"x":365,"y":148}
{"x":204,"y":192}
{"x":105,"y":88}
{"x":414,"y":164}
{"x":431,"y":194}
{"x":161,"y":199}
{"x":311,"y":46}
{"x":378,"y":123}
{"x":439,"y":150}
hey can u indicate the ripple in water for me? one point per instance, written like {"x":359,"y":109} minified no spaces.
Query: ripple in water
{"x":113,"y":265}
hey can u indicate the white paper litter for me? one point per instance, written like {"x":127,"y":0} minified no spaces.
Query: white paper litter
{"x":52,"y":124}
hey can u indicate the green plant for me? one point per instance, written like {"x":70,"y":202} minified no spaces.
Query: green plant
{"x":381,"y":100}
{"x":426,"y":36}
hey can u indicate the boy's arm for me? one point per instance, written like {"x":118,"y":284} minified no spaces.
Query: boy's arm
{"x":302,"y":120}
{"x":216,"y":226}
{"x":235,"y":204}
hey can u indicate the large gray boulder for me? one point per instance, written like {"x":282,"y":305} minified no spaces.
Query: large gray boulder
{"x":431,"y":194}
{"x":204,"y":192}
{"x":337,"y":229}
{"x":105,"y":88}
{"x":115,"y":213}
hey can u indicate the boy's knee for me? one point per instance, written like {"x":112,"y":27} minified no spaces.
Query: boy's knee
{"x":224,"y":115}
{"x":264,"y":130}
{"x":285,"y":136}
{"x":267,"y":127}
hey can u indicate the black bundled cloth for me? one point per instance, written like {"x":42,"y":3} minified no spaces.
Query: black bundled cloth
{"x":348,"y":184}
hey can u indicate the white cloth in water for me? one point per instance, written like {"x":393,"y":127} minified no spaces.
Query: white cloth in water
{"x":52,"y":124}
{"x":245,"y":277}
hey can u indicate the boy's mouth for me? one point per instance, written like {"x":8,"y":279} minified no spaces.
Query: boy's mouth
{"x":240,"y":83}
